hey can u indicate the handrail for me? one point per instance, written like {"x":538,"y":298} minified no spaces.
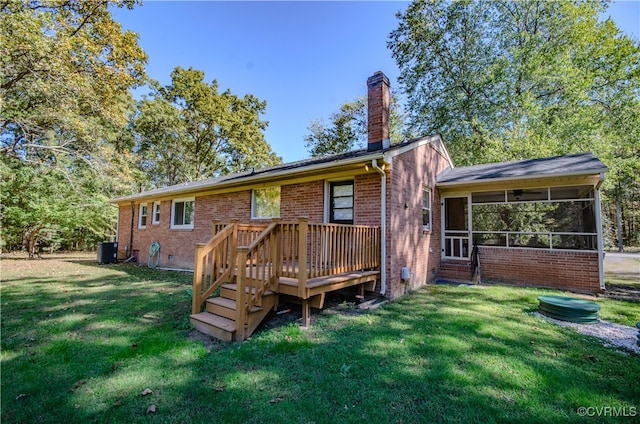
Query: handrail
{"x":257,"y":273}
{"x":213,"y":265}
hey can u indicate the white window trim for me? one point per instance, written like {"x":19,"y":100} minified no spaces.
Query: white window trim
{"x":153,"y":214}
{"x":140,"y":215}
{"x":253,"y":204}
{"x":173,"y":213}
{"x":430,"y":226}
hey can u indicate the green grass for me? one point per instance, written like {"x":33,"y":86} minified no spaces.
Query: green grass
{"x":80,"y":342}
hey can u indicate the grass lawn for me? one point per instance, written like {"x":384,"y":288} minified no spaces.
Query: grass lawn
{"x":81,"y":342}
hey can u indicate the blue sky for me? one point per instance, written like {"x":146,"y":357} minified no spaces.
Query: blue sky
{"x":304,"y":58}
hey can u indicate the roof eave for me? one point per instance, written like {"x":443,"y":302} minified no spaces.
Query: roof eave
{"x":599,"y":171}
{"x":251,"y":179}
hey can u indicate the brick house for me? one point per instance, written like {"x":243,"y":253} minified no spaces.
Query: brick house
{"x":534,"y":222}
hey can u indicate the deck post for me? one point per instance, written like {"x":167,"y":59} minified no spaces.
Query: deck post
{"x":306,"y":313}
{"x":276,"y":254}
{"x":303,"y":232}
{"x":240,"y":293}
{"x":197,"y":279}
{"x":233,"y":249}
{"x":215,"y":226}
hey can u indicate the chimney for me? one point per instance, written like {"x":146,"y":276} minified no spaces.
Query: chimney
{"x":378,"y":101}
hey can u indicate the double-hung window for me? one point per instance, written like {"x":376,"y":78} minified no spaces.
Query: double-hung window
{"x":183,"y":213}
{"x":142,"y":219}
{"x":156,"y":213}
{"x":426,"y":209}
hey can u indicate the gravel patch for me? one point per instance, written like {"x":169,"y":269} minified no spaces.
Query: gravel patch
{"x":613,"y":334}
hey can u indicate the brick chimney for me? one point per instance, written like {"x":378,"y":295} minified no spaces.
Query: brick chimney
{"x":378,"y":101}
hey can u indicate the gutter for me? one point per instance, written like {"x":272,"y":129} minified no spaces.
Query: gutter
{"x":383,"y":226}
{"x":244,"y":180}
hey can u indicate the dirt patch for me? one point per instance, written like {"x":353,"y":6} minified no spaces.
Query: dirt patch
{"x":622,"y":275}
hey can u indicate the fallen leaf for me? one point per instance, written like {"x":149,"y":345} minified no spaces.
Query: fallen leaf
{"x":78,"y":384}
{"x":77,"y":406}
{"x":146,"y":392}
{"x":277,"y":399}
{"x":21,"y":395}
{"x":219,"y":389}
{"x":151,"y":409}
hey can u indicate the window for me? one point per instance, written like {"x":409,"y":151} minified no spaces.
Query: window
{"x":142,"y":220}
{"x":265,"y":203}
{"x":426,"y":209}
{"x":341,"y":202}
{"x":156,"y":213}
{"x":182,"y":213}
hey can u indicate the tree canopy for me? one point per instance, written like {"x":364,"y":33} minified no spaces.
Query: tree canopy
{"x":189,"y":130}
{"x":67,"y":68}
{"x":503,"y":80}
{"x":347,"y":129}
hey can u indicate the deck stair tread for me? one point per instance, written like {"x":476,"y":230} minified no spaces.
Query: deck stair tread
{"x":216,"y":321}
{"x":229,"y":303}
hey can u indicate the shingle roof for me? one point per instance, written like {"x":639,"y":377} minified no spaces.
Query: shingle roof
{"x":291,"y":166}
{"x":576,"y":164}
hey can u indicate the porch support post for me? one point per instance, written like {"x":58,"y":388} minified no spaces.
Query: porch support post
{"x":197,"y":280}
{"x":240,"y":293}
{"x":306,"y":313}
{"x":600,"y":237}
{"x":303,"y":231}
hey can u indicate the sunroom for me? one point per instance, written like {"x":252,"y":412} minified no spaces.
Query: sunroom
{"x":533,"y":222}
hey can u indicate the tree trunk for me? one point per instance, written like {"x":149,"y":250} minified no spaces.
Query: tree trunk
{"x":619,"y":221}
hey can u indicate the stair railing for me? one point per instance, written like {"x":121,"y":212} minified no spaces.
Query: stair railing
{"x":258,"y":270}
{"x":214,"y":264}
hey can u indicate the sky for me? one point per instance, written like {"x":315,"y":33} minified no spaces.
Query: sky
{"x":304,"y":58}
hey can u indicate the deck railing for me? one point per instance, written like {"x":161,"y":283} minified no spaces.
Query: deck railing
{"x":255,"y":256}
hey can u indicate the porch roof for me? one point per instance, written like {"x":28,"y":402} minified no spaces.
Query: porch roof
{"x":580,"y":164}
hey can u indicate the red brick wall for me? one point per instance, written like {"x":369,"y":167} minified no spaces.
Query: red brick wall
{"x":565,"y":270}
{"x":407,"y":244}
{"x":177,"y":246}
{"x":305,"y":199}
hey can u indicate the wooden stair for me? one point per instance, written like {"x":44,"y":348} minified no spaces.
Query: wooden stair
{"x":218,"y":319}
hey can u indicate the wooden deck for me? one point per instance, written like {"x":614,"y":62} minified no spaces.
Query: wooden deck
{"x":297,"y":259}
{"x":317,"y":288}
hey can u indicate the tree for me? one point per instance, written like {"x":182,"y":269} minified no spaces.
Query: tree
{"x":189,"y":130}
{"x":348,"y":129}
{"x":504,"y":80}
{"x":67,"y":68}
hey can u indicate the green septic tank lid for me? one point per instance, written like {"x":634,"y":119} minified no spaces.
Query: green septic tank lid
{"x":569,"y":309}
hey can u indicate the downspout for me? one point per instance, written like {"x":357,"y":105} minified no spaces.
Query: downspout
{"x":383,"y":226}
{"x":599,"y":232}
